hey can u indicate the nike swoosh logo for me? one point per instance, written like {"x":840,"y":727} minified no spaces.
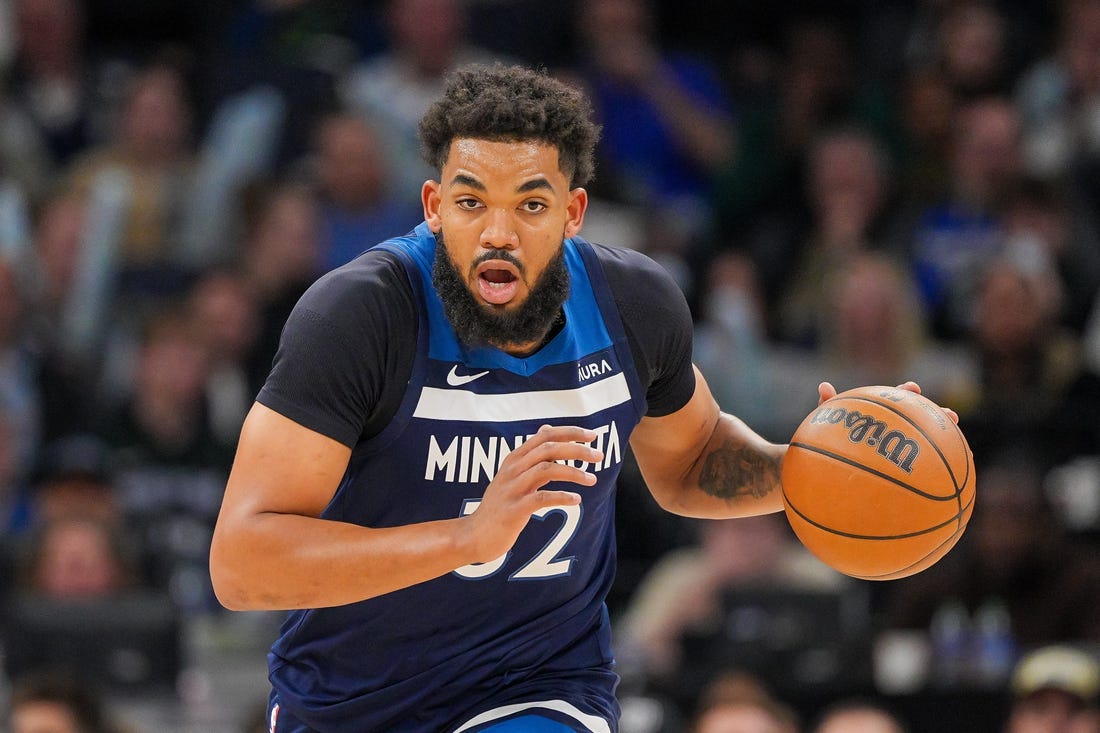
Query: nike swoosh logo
{"x":456,"y":380}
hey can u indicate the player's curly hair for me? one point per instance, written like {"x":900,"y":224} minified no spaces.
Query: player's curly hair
{"x":512,"y":103}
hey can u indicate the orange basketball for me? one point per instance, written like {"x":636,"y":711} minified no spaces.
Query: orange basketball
{"x":878,"y":483}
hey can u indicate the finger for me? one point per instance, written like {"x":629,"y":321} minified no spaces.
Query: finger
{"x":910,"y":387}
{"x":556,"y":451}
{"x":825,"y":391}
{"x":556,"y":434}
{"x":556,"y":498}
{"x":550,"y":452}
{"x":547,"y":472}
{"x":951,"y":414}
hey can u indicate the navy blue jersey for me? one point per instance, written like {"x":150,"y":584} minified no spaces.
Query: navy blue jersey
{"x":528,"y":626}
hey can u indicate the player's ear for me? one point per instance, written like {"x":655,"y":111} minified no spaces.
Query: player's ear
{"x":578,"y":203}
{"x":430,"y":198}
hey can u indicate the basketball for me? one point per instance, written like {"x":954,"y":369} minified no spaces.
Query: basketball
{"x":878,"y":483}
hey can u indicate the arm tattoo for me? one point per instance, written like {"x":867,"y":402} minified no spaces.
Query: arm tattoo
{"x":734,"y":470}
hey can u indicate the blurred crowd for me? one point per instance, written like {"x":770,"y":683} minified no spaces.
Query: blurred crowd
{"x":859,"y":191}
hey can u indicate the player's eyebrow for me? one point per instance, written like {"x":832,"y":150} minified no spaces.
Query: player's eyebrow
{"x":461,"y":179}
{"x":534,"y":184}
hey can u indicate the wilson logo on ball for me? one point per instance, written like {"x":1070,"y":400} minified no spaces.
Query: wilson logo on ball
{"x":892,"y":444}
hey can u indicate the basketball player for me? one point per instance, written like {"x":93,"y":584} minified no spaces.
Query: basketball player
{"x":427,"y":479}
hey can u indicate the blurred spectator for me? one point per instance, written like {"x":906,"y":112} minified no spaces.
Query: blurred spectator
{"x":1015,"y":551}
{"x":393,"y":88}
{"x":732,"y":683}
{"x":227,"y":321}
{"x":1034,"y":389}
{"x":933,"y":35}
{"x":1050,"y":223}
{"x":74,"y":557}
{"x":972,"y":50}
{"x":744,"y":716}
{"x":1055,"y":690}
{"x":870,"y":330}
{"x":849,"y":195}
{"x":65,"y":561}
{"x":171,"y":467}
{"x":59,"y":268}
{"x":955,"y":237}
{"x":1059,"y":96}
{"x":666,"y":123}
{"x":299,"y":48}
{"x":49,"y":702}
{"x":12,"y":487}
{"x":919,"y":43}
{"x":25,"y":163}
{"x":20,"y":396}
{"x":854,"y":715}
{"x":82,"y":599}
{"x":280,"y":258}
{"x":683,"y":592}
{"x":926,"y":107}
{"x":37,"y":402}
{"x":66,"y":93}
{"x":164,"y":421}
{"x":153,"y":150}
{"x":874,"y":332}
{"x":736,"y":702}
{"x":81,"y":606}
{"x":817,"y":88}
{"x":58,"y":232}
{"x":359,"y":204}
{"x":75,"y":477}
{"x":733,"y":320}
{"x":871,"y":323}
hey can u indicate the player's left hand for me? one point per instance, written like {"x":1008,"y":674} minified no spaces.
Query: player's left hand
{"x":826,"y":391}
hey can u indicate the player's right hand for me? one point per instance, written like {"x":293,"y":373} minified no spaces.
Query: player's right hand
{"x":514,"y":493}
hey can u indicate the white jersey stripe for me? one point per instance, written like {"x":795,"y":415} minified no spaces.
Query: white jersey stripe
{"x":594,"y":723}
{"x":458,"y":404}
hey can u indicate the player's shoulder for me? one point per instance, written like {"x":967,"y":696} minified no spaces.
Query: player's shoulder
{"x":637,"y":279}
{"x":370,"y":294}
{"x":624,"y":262}
{"x":374,"y":278}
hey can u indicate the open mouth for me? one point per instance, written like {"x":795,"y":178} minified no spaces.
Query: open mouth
{"x":497,"y":281}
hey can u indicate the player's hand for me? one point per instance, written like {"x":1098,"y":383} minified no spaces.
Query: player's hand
{"x":514,"y":493}
{"x":826,"y":391}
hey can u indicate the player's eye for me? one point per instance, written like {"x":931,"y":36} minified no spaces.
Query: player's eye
{"x":533,"y":207}
{"x":468,"y":204}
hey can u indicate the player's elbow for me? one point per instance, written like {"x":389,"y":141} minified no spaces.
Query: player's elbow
{"x":229,"y":595}
{"x":227,"y":577}
{"x":668,"y":488}
{"x":670,"y":496}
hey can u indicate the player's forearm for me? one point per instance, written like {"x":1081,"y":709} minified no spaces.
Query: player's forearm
{"x":735,"y":474}
{"x":282,"y":561}
{"x":741,"y":468}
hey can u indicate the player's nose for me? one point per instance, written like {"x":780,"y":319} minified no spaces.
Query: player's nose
{"x":500,"y":230}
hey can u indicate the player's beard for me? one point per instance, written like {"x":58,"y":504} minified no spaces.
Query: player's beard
{"x":476,"y":324}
